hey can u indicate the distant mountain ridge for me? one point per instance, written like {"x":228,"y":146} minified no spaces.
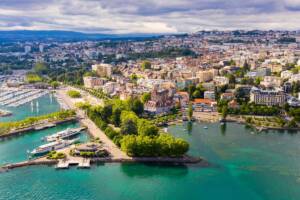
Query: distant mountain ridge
{"x":27,"y":35}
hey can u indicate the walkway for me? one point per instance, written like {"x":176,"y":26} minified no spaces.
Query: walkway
{"x":115,"y":152}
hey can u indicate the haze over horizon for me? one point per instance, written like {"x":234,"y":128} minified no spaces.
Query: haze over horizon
{"x":145,"y":16}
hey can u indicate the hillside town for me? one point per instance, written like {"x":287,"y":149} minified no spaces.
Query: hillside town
{"x":222,"y":74}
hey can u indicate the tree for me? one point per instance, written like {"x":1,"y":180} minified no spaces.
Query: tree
{"x":231,"y":78}
{"x":106,"y":112}
{"x":116,"y":117}
{"x":146,"y":65}
{"x":136,"y":106}
{"x":191,"y":90}
{"x":197,"y":94}
{"x":146,"y":128}
{"x":128,"y":127}
{"x":190,"y":111}
{"x":246,"y":66}
{"x":145,"y":97}
{"x":224,"y":111}
{"x":257,"y":81}
{"x":40,"y":68}
{"x":54,"y":84}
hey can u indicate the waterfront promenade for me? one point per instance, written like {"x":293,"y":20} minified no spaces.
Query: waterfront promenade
{"x":93,"y":130}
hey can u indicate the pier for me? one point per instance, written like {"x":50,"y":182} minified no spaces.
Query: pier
{"x":80,"y":162}
{"x":39,"y":126}
{"x":18,"y":97}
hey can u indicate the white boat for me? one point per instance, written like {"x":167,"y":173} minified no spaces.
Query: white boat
{"x":63,"y":134}
{"x":59,"y":144}
{"x":205,"y":127}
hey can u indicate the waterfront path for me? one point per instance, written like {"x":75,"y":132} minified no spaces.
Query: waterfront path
{"x":114,"y":151}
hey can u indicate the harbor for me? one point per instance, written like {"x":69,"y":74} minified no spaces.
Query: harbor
{"x":18,"y":97}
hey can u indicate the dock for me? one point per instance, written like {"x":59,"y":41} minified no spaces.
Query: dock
{"x":80,"y":162}
{"x":15,"y":98}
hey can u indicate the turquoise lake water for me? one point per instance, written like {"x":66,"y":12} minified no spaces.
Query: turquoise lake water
{"x":46,"y":104}
{"x":243,"y":166}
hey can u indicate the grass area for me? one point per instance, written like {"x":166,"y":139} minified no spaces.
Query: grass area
{"x":275,"y":122}
{"x":33,"y":78}
{"x":53,"y":155}
{"x":74,"y":94}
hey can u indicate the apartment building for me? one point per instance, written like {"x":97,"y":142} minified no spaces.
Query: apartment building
{"x":267,"y":97}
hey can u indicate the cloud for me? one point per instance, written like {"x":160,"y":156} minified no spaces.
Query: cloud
{"x":148,"y":16}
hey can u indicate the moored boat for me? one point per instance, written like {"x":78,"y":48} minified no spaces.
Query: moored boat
{"x":59,"y":144}
{"x":63,"y":134}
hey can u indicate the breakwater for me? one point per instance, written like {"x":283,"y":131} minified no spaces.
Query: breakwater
{"x":33,"y":127}
{"x":158,"y":160}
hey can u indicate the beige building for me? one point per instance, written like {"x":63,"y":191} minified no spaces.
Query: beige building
{"x":221,"y":80}
{"x":271,"y":81}
{"x":93,"y":82}
{"x":206,"y":75}
{"x":267,"y":97}
{"x":103,"y":70}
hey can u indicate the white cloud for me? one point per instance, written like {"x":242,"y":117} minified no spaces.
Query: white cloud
{"x":148,"y":16}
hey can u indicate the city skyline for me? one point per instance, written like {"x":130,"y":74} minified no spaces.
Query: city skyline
{"x":118,"y":17}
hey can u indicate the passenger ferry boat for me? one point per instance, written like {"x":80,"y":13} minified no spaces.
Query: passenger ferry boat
{"x":59,"y":144}
{"x":63,"y":134}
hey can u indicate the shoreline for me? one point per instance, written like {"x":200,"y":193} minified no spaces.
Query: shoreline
{"x":240,"y":120}
{"x":185,"y":160}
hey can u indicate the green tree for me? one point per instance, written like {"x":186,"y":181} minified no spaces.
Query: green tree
{"x":146,"y":65}
{"x":116,"y":117}
{"x":128,"y":127}
{"x":145,"y":97}
{"x":136,"y":106}
{"x":40,"y":68}
{"x":191,"y":90}
{"x":224,"y":111}
{"x":146,"y":128}
{"x":190,"y":111}
{"x":54,"y":84}
{"x":197,"y":94}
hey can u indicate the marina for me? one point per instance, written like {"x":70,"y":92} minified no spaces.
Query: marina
{"x":15,"y":98}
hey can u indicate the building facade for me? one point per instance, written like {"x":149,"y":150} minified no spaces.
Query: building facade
{"x":267,"y":97}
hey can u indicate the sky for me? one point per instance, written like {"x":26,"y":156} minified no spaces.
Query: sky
{"x":145,"y":16}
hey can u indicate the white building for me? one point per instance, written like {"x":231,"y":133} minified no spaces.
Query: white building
{"x":41,"y":48}
{"x":209,"y":95}
{"x":221,"y":80}
{"x":286,"y":74}
{"x":27,"y":49}
{"x":294,"y":78}
{"x":267,"y":97}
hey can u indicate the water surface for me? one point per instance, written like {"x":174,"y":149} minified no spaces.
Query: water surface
{"x":245,"y":166}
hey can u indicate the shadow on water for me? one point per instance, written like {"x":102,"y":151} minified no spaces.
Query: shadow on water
{"x":189,"y":127}
{"x":223,"y":128}
{"x":153,"y":169}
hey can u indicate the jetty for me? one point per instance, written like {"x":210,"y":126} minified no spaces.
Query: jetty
{"x":80,"y":162}
{"x":39,"y":126}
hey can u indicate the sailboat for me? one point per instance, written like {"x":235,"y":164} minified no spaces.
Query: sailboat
{"x":31,"y":104}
